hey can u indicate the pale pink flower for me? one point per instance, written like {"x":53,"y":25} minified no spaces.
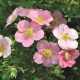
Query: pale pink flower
{"x":28,"y":32}
{"x":12,"y":17}
{"x":67,"y":58}
{"x":66,"y":36}
{"x":47,"y":53}
{"x":5,"y":48}
{"x":42,"y":17}
{"x":58,"y":19}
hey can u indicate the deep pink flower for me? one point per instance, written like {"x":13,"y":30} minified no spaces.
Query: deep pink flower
{"x":47,"y":53}
{"x":42,"y":17}
{"x":12,"y":17}
{"x":28,"y":32}
{"x":66,"y":37}
{"x":58,"y":19}
{"x":67,"y":58}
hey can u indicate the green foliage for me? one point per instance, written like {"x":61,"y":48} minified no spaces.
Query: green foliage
{"x":20,"y":65}
{"x":58,"y":72}
{"x":7,"y":72}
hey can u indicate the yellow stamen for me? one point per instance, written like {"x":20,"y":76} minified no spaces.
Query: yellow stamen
{"x":39,"y":19}
{"x":65,"y":37}
{"x":47,"y":53}
{"x":28,"y":32}
{"x":67,"y":56}
{"x":2,"y":48}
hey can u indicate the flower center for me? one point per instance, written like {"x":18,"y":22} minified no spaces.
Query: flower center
{"x":67,"y":56}
{"x":2,"y":48}
{"x":39,"y":19}
{"x":47,"y":53}
{"x":65,"y":36}
{"x":55,"y":23}
{"x":28,"y":32}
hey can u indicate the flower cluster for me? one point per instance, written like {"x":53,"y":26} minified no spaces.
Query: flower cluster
{"x":49,"y":53}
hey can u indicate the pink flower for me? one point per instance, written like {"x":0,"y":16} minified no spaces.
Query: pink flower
{"x":28,"y":32}
{"x":42,"y":17}
{"x":47,"y":53}
{"x":12,"y":17}
{"x":67,"y":58}
{"x":5,"y":48}
{"x":66,"y":37}
{"x":58,"y":19}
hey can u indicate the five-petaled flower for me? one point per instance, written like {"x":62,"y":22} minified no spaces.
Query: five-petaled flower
{"x":47,"y":53}
{"x":5,"y":48}
{"x":66,"y":37}
{"x":42,"y":17}
{"x":28,"y":32}
{"x":67,"y":58}
{"x":58,"y":19}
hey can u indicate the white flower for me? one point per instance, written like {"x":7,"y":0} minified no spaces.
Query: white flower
{"x":5,"y":48}
{"x":66,"y":36}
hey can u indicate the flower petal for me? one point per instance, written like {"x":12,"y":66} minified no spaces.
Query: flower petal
{"x":54,"y":46}
{"x":73,"y":33}
{"x":42,"y":45}
{"x":31,"y":12}
{"x":71,"y":44}
{"x":35,"y":26}
{"x":19,"y":36}
{"x":1,"y":39}
{"x":57,"y":14}
{"x":63,"y":64}
{"x":22,"y":25}
{"x":55,"y":59}
{"x":63,"y":20}
{"x":27,"y":42}
{"x":37,"y":58}
{"x":7,"y":51}
{"x":75,"y":54}
{"x":23,"y":12}
{"x":47,"y":62}
{"x":71,"y":63}
{"x":38,"y":35}
{"x":1,"y":54}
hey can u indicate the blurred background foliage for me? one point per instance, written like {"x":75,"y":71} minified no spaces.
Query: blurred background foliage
{"x":20,"y":66}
